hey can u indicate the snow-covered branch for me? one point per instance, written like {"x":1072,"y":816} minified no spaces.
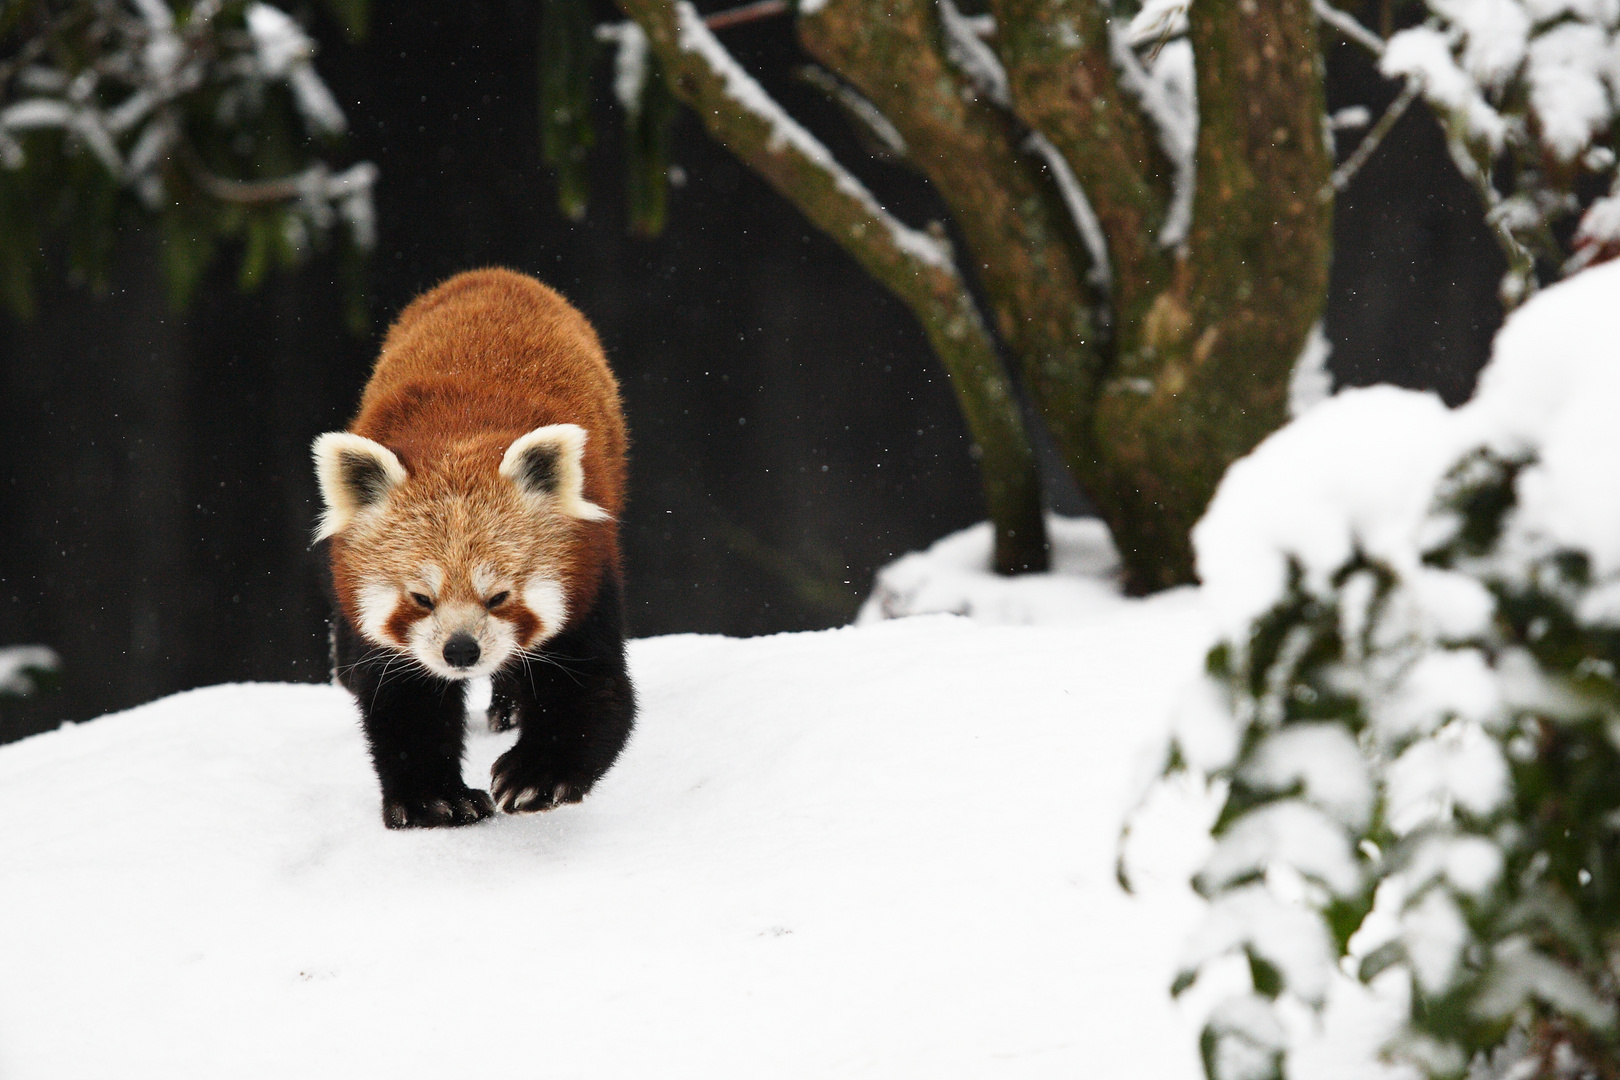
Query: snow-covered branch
{"x":1166,"y":90}
{"x":125,"y":106}
{"x":1084,"y":217}
{"x":916,"y":265}
{"x":1371,"y":141}
{"x":965,"y":47}
{"x":1347,"y":25}
{"x":964,"y":42}
{"x":786,"y":136}
{"x":890,"y":143}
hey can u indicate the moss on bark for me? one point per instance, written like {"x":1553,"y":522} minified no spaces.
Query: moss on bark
{"x":1202,"y":376}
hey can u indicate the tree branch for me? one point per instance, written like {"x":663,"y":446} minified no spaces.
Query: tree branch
{"x":1370,"y":142}
{"x":1205,"y":377}
{"x":745,"y":13}
{"x":1346,"y":24}
{"x":1025,"y":251}
{"x":1064,"y":86}
{"x":916,"y":267}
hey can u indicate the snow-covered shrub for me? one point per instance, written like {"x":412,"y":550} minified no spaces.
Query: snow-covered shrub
{"x":1415,"y":708}
{"x":208,"y":116}
{"x":1526,"y":91}
{"x":25,"y":669}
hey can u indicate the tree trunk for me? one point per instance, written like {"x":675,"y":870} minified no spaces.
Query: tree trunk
{"x":1156,"y":356}
{"x":1202,"y":376}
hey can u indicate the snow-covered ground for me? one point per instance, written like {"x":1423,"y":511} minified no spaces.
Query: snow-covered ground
{"x":883,"y":851}
{"x":952,"y":576}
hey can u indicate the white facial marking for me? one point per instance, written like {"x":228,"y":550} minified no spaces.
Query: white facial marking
{"x":483,"y":580}
{"x":376,"y":603}
{"x":546,"y":598}
{"x":496,"y":641}
{"x":432,"y":578}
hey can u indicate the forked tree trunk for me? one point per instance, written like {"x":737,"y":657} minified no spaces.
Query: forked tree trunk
{"x":1157,"y":356}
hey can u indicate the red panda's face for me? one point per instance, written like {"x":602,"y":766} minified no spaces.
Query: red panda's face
{"x":463,"y":567}
{"x":458,"y":611}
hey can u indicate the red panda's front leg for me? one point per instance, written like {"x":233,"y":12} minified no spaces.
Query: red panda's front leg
{"x":574,"y":706}
{"x":415,"y":725}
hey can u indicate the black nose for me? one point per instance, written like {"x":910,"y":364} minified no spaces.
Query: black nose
{"x":461,"y":650}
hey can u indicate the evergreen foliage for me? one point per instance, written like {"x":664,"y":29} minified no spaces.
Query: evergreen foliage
{"x":207,"y":119}
{"x":27,"y":669}
{"x":569,"y":77}
{"x":1432,"y":735}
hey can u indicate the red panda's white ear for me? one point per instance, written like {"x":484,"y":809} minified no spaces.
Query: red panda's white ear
{"x":355,"y":474}
{"x":547,"y":465}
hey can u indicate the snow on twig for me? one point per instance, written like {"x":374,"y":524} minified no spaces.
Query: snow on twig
{"x":1168,"y":95}
{"x":868,"y":115}
{"x":966,"y":49}
{"x":1370,"y":142}
{"x":1311,"y":383}
{"x":1101,"y":273}
{"x":285,"y":52}
{"x":975,"y":59}
{"x":693,"y":36}
{"x":1347,"y":25}
{"x":125,"y":104}
{"x":629,"y":61}
{"x":1157,"y":22}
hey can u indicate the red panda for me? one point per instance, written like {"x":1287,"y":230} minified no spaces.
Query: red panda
{"x":471,"y":516}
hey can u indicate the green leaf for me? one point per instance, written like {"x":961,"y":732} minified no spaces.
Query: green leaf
{"x":647,"y":132}
{"x":568,"y":51}
{"x":1345,"y":915}
{"x":1268,"y":981}
{"x":1184,"y":981}
{"x":1209,"y":1045}
{"x":1380,"y":960}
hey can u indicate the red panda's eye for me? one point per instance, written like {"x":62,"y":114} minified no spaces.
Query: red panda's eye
{"x":425,"y":601}
{"x":497,"y":600}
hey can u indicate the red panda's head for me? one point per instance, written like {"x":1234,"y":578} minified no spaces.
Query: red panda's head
{"x":464,"y":563}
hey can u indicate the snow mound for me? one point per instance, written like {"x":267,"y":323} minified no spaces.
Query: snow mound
{"x":1361,"y":469}
{"x":954,"y":577}
{"x":883,"y":851}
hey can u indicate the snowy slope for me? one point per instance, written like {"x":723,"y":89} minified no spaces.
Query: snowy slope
{"x":882,"y":851}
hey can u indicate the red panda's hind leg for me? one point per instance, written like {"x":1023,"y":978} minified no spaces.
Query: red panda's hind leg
{"x":501,"y":714}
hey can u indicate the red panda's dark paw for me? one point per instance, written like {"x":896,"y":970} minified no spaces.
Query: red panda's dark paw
{"x":501,"y":714}
{"x":463,"y":808}
{"x":524,"y":787}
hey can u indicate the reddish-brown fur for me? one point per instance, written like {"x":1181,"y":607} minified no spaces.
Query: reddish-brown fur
{"x":468,"y":368}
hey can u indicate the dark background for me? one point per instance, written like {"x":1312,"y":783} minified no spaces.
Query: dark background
{"x":791,"y":430}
